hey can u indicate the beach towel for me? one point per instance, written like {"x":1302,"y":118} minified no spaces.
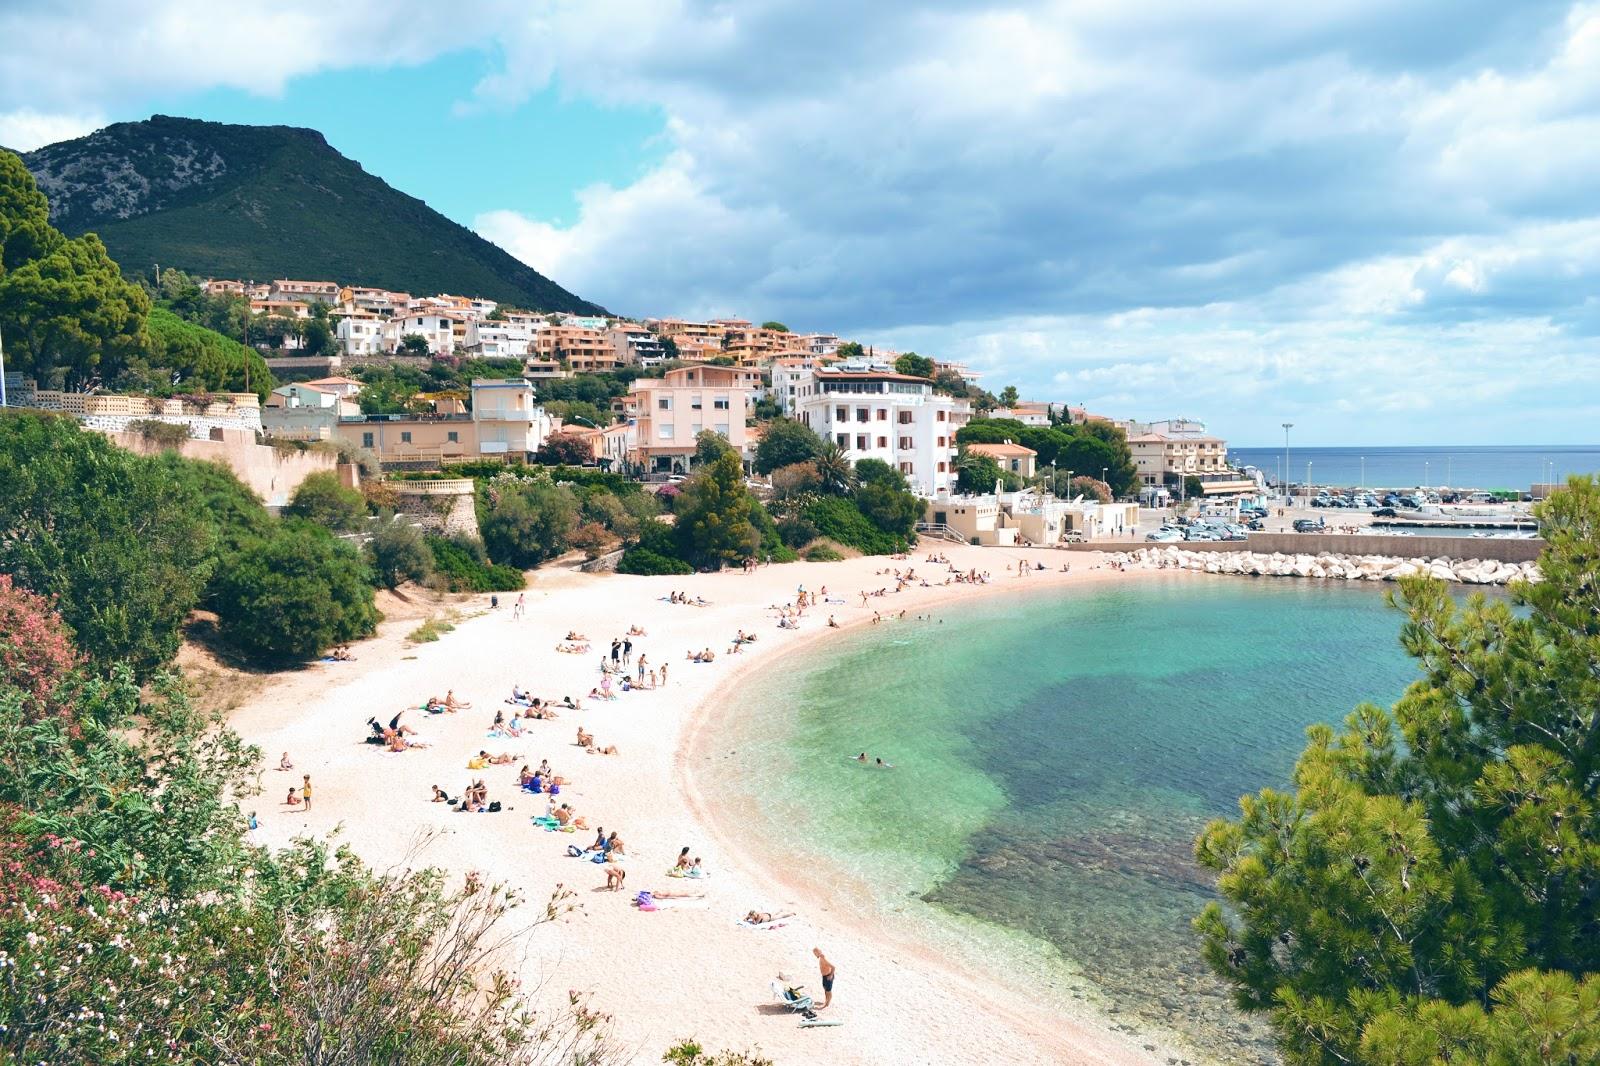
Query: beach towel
{"x":776,"y":923}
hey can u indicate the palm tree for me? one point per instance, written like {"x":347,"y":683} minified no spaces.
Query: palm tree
{"x":834,"y":469}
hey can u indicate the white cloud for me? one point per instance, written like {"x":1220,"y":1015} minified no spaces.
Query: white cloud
{"x":24,"y":130}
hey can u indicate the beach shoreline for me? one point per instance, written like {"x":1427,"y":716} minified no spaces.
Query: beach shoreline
{"x":899,"y":1001}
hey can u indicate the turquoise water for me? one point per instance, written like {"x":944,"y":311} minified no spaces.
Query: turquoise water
{"x":1054,"y":755}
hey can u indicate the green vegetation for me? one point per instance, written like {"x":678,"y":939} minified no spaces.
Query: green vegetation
{"x":170,"y":435}
{"x":719,"y":522}
{"x":1087,"y":449}
{"x":430,"y":631}
{"x":784,"y":443}
{"x":526,"y":520}
{"x":838,"y":518}
{"x":563,"y":449}
{"x":461,"y":565}
{"x":293,"y":594}
{"x":1429,"y":890}
{"x":399,"y":552}
{"x":692,"y":1053}
{"x":124,"y":552}
{"x":914,"y":365}
{"x":823,"y":553}
{"x":776,"y":327}
{"x":249,"y":216}
{"x":324,"y":500}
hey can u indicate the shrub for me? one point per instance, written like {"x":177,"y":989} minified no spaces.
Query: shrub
{"x":162,"y":434}
{"x":564,"y":449}
{"x":823,"y":553}
{"x":461,"y":565}
{"x":637,"y":560}
{"x":121,"y":549}
{"x":838,"y":518}
{"x":36,"y":654}
{"x":430,"y":631}
{"x":525,"y":522}
{"x":323,"y":500}
{"x":399,"y":553}
{"x":294,"y":594}
{"x":797,"y":530}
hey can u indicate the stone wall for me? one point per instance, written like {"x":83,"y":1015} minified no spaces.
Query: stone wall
{"x":271,"y":473}
{"x":444,"y":505}
{"x":1500,"y":549}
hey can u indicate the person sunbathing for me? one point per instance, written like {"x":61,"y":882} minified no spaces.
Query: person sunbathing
{"x":453,"y":704}
{"x":433,"y":706}
{"x":585,"y":740}
{"x":498,"y":760}
{"x":614,"y":845}
{"x":636,"y":631}
{"x":766,"y":917}
{"x":573,"y":634}
{"x":609,"y":749}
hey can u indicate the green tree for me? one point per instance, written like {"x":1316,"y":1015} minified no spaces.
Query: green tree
{"x":123,"y":550}
{"x":917,"y":366}
{"x":784,"y":443}
{"x":1429,"y":890}
{"x":1193,"y":488}
{"x":294,"y":593}
{"x":978,"y":473}
{"x":850,"y":350}
{"x":324,"y":500}
{"x":70,"y":317}
{"x":192,"y":358}
{"x":399,"y":552}
{"x":25,"y":230}
{"x":1009,"y":397}
{"x":835,"y":474}
{"x":315,"y":336}
{"x":414,"y":344}
{"x":1123,"y":474}
{"x":776,"y":327}
{"x":716,"y":522}
{"x":527,"y":520}
{"x":709,"y":445}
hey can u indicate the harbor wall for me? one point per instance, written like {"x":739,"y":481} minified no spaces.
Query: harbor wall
{"x":1500,"y":549}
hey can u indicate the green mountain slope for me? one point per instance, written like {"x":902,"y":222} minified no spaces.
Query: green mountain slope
{"x":264,"y":202}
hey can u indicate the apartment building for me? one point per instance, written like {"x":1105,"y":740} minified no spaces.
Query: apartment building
{"x":871,"y":411}
{"x":305,"y":291}
{"x":1014,"y":458}
{"x":581,"y":348}
{"x":505,"y":421}
{"x":1171,"y":450}
{"x":305,"y":411}
{"x":635,"y":345}
{"x":667,"y":413}
{"x":364,"y":334}
{"x":435,"y":327}
{"x":498,"y":340}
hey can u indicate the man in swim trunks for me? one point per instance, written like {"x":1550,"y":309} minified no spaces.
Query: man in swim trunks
{"x":828,"y":973}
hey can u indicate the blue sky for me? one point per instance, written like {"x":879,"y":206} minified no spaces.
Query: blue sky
{"x":1378,"y":221}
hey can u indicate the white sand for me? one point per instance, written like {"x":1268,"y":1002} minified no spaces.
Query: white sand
{"x":681,"y":972}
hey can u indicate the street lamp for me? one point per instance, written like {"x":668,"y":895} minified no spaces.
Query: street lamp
{"x":1363,"y":473}
{"x":1287,"y":426}
{"x":1308,"y":481}
{"x":1424,"y":474}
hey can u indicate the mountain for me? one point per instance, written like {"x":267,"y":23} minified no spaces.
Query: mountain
{"x":265,"y":202}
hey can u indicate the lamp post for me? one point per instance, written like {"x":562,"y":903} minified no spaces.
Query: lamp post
{"x":1308,"y":482}
{"x":1287,"y":426}
{"x":1363,"y":473}
{"x":1424,"y":475}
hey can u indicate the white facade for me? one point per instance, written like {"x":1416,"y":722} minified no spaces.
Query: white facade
{"x":507,"y":418}
{"x":874,"y":413}
{"x":502,"y":340}
{"x":363,"y":335}
{"x":437,"y":329}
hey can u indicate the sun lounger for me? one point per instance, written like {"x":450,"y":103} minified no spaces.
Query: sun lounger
{"x":793,"y":1002}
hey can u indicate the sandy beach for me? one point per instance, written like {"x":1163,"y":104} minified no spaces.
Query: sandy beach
{"x":690,"y":970}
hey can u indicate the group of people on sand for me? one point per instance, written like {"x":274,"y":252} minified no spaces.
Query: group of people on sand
{"x":473,"y":800}
{"x":449,"y":704}
{"x":683,"y":597}
{"x":396,"y":736}
{"x":586,"y":742}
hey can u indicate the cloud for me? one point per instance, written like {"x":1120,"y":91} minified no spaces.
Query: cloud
{"x":24,"y":130}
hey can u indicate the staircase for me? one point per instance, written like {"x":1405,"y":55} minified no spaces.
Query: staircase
{"x":939,"y":531}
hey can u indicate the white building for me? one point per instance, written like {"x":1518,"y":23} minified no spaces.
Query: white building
{"x":507,"y":417}
{"x":364,"y":335}
{"x":304,"y":411}
{"x":435,"y":327}
{"x":499,"y":340}
{"x":872,"y":412}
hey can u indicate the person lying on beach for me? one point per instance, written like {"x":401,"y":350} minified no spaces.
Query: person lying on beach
{"x":396,"y":742}
{"x":498,"y":760}
{"x":637,"y":631}
{"x":573,"y":634}
{"x":517,"y":695}
{"x":596,"y":694}
{"x":396,"y":725}
{"x":609,"y":749}
{"x":766,"y":917}
{"x":433,"y":706}
{"x":341,"y":654}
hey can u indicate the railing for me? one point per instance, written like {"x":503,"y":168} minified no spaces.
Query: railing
{"x":940,"y":530}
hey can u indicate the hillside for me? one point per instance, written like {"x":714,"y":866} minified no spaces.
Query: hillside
{"x":264,"y":202}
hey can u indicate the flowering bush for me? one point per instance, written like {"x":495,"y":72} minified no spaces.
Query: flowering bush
{"x":36,"y":655}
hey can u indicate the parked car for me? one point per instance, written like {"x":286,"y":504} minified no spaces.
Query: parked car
{"x":1383,"y":512}
{"x":1308,"y":525}
{"x":1164,"y":536}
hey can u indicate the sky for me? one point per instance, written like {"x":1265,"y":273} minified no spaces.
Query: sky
{"x":1378,"y":221}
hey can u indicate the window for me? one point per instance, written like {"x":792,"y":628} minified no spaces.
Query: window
{"x":664,"y":403}
{"x":883,"y":442}
{"x":720,"y":403}
{"x":941,"y":468}
{"x":861,"y":442}
{"x":405,"y":436}
{"x":939,"y":416}
{"x":905,"y":418}
{"x":941,"y":442}
{"x":907,"y":443}
{"x":841,"y":414}
{"x":665,"y":433}
{"x":366,"y":440}
{"x":453,"y":437}
{"x":883,"y":415}
{"x":842,"y":439}
{"x":694,"y":402}
{"x":694,"y":430}
{"x":861,"y":414}
{"x":722,"y":428}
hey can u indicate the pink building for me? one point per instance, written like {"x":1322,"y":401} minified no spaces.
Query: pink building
{"x":667,"y":413}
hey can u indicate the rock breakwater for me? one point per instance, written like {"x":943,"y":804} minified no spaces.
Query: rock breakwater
{"x":1327,"y":566}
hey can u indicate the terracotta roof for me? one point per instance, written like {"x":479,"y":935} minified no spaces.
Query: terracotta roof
{"x":1006,"y":449}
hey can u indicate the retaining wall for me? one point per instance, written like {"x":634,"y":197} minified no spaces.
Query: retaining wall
{"x":1498,"y":548}
{"x":445,"y":505}
{"x":271,"y":473}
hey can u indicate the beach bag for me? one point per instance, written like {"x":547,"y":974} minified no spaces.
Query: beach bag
{"x":494,"y":806}
{"x":574,"y":851}
{"x":599,"y":856}
{"x":555,"y":790}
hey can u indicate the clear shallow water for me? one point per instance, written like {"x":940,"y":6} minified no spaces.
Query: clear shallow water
{"x":1475,"y":466}
{"x":1054,"y":756}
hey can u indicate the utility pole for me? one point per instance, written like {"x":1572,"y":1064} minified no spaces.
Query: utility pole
{"x":1287,"y":426}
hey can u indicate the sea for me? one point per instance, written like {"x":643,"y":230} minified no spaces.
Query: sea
{"x":1437,"y":466}
{"x":1052,"y":757}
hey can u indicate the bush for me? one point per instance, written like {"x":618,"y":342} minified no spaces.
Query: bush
{"x":525,"y":522}
{"x":430,"y":631}
{"x":796,"y":530}
{"x":36,"y":654}
{"x":323,"y":500}
{"x":294,"y":594}
{"x":823,"y":553}
{"x":461,"y":566}
{"x":121,"y":549}
{"x":637,"y":560}
{"x":591,"y":538}
{"x":838,"y":518}
{"x":399,"y":553}
{"x":564,"y":449}
{"x":162,"y":434}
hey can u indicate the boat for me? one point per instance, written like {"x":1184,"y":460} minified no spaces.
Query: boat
{"x":1445,"y":513}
